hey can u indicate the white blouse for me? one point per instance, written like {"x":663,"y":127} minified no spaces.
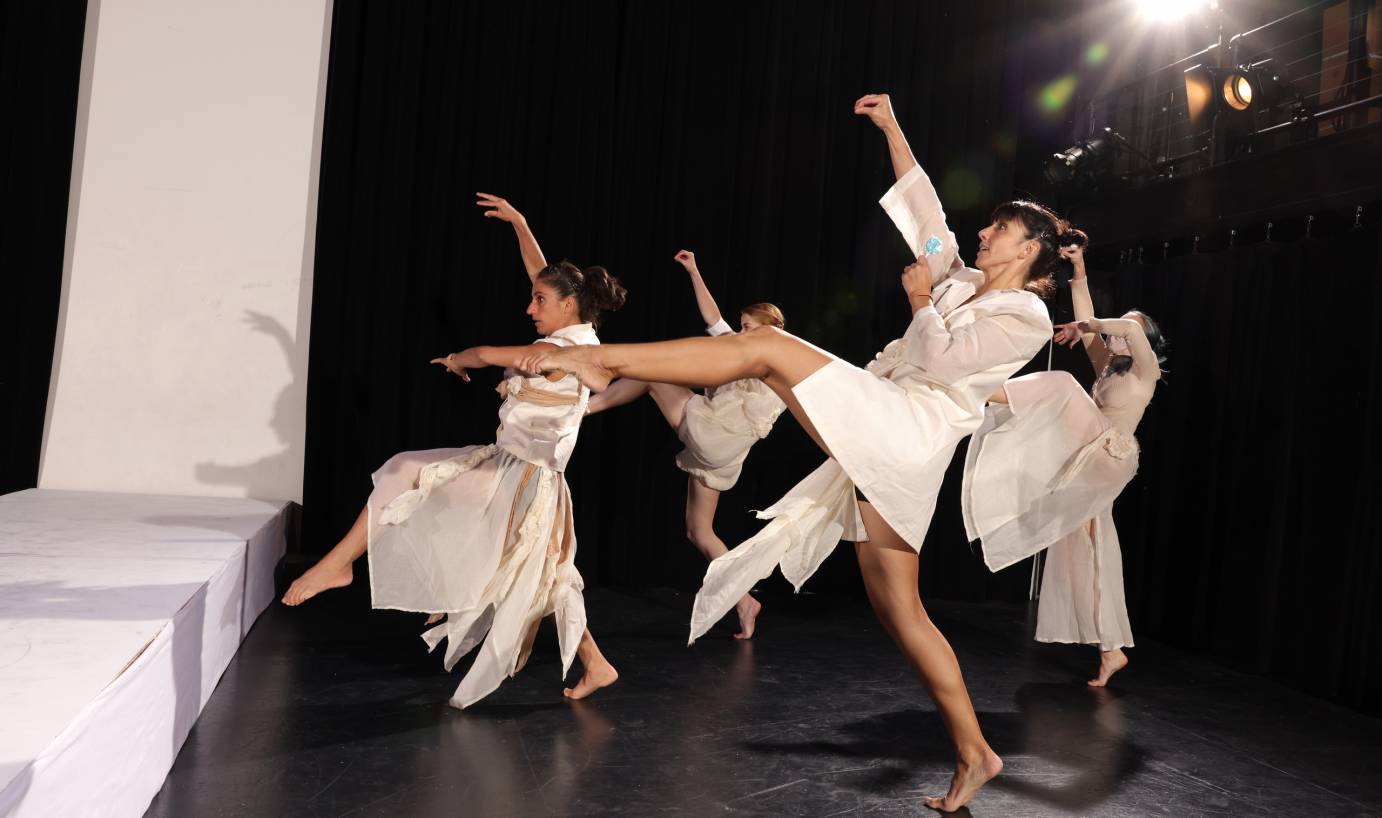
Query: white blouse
{"x":540,"y":419}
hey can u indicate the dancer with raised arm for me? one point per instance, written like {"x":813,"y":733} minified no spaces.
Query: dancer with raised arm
{"x":718,"y":428}
{"x":484,"y":534}
{"x":889,"y":430}
{"x":1076,"y":454}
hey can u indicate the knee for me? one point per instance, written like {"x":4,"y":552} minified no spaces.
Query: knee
{"x":696,"y":534}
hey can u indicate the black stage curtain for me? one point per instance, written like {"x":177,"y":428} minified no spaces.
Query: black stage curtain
{"x":40,"y":67}
{"x":627,"y":131}
{"x":1252,"y":530}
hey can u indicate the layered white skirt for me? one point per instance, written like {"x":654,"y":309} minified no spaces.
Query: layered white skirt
{"x":1042,"y":473}
{"x":485,"y":538}
{"x":720,"y":427}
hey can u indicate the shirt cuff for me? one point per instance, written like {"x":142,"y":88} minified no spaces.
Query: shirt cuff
{"x":720,"y":328}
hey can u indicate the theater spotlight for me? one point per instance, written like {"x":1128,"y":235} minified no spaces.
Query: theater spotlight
{"x":1085,"y":162}
{"x":1237,"y":91}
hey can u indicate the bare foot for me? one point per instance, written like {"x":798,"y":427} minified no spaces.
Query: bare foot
{"x":748,"y":609}
{"x":434,"y":619}
{"x":581,"y":362}
{"x":969,"y":777}
{"x":321,"y":577}
{"x":1110,"y":662}
{"x":596,"y":677}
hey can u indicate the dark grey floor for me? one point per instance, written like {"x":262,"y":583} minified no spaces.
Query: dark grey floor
{"x":331,"y":710}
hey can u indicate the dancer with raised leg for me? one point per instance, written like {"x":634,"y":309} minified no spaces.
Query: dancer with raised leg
{"x":484,"y":534}
{"x":1076,"y":453}
{"x":718,"y":428}
{"x":889,"y":430}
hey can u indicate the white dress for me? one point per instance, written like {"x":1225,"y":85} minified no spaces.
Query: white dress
{"x":1044,"y":471}
{"x":719,"y":427}
{"x":484,"y":534}
{"x":891,"y":428}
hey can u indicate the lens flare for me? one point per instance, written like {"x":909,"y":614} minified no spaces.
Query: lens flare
{"x":1056,"y":94}
{"x":1096,"y":54}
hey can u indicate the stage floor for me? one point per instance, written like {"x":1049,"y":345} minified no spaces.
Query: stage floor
{"x":331,"y":710}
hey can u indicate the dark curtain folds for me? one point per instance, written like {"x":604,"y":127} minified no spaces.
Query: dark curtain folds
{"x":627,"y":131}
{"x":1252,"y":531}
{"x":40,"y":67}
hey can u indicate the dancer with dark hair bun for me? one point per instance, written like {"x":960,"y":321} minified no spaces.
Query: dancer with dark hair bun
{"x":718,"y":427}
{"x":1076,"y":453}
{"x":483,"y":535}
{"x":889,"y":430}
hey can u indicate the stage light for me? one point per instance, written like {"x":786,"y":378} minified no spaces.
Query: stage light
{"x":1237,"y":90}
{"x":1168,"y":10}
{"x":1085,"y":161}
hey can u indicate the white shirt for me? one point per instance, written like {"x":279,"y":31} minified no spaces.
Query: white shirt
{"x":540,"y":419}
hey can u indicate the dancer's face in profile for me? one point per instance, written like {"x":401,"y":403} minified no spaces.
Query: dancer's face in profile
{"x":550,"y":311}
{"x":1001,"y":244}
{"x":748,"y":322}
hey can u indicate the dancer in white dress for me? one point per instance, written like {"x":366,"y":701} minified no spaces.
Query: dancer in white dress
{"x":718,"y":427}
{"x":1044,"y":469}
{"x":484,"y":534}
{"x":890,"y":430}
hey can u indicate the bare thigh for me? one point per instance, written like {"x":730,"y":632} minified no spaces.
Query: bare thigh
{"x":787,"y":362}
{"x":672,"y":400}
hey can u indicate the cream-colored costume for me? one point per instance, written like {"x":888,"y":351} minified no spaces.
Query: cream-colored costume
{"x":484,"y":533}
{"x":1043,"y":472}
{"x":892,"y":427}
{"x":719,"y":427}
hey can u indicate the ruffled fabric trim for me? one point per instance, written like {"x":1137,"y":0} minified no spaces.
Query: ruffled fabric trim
{"x":430,"y":477}
{"x":805,"y":527}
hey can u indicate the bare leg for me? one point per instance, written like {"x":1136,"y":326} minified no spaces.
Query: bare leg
{"x":889,"y":568}
{"x":672,"y":400}
{"x":618,"y":393}
{"x":334,"y":569}
{"x":598,"y":671}
{"x":701,"y":501}
{"x":779,"y":360}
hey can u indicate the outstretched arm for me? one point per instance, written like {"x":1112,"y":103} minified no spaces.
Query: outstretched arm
{"x":710,"y":311}
{"x":498,"y":208}
{"x":912,"y":202}
{"x":1144,"y":362}
{"x":1084,"y":310}
{"x":478,"y":357}
{"x":879,"y":109}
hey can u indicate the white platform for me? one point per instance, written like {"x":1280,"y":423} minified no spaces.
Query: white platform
{"x":118,"y":614}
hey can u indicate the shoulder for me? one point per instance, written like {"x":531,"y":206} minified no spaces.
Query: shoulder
{"x":578,"y":334}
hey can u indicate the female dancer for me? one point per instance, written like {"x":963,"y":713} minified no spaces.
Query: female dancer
{"x":889,"y":430}
{"x":1077,"y":454}
{"x":484,"y":534}
{"x":718,"y":427}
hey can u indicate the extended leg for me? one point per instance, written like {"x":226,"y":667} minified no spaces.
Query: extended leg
{"x":334,"y":569}
{"x":701,"y":501}
{"x":889,"y":568}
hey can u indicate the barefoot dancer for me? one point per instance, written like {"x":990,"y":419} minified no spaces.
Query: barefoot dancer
{"x":718,"y":427}
{"x":890,"y":430}
{"x":484,"y":534}
{"x":1076,"y":455}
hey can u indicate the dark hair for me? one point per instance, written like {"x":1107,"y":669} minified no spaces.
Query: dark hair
{"x":594,"y":288}
{"x":1120,"y":364}
{"x":1050,"y":231}
{"x":767,"y":313}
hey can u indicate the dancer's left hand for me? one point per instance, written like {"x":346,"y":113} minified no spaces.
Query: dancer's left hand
{"x":1068,"y":335}
{"x":451,"y":366}
{"x":916,"y":279}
